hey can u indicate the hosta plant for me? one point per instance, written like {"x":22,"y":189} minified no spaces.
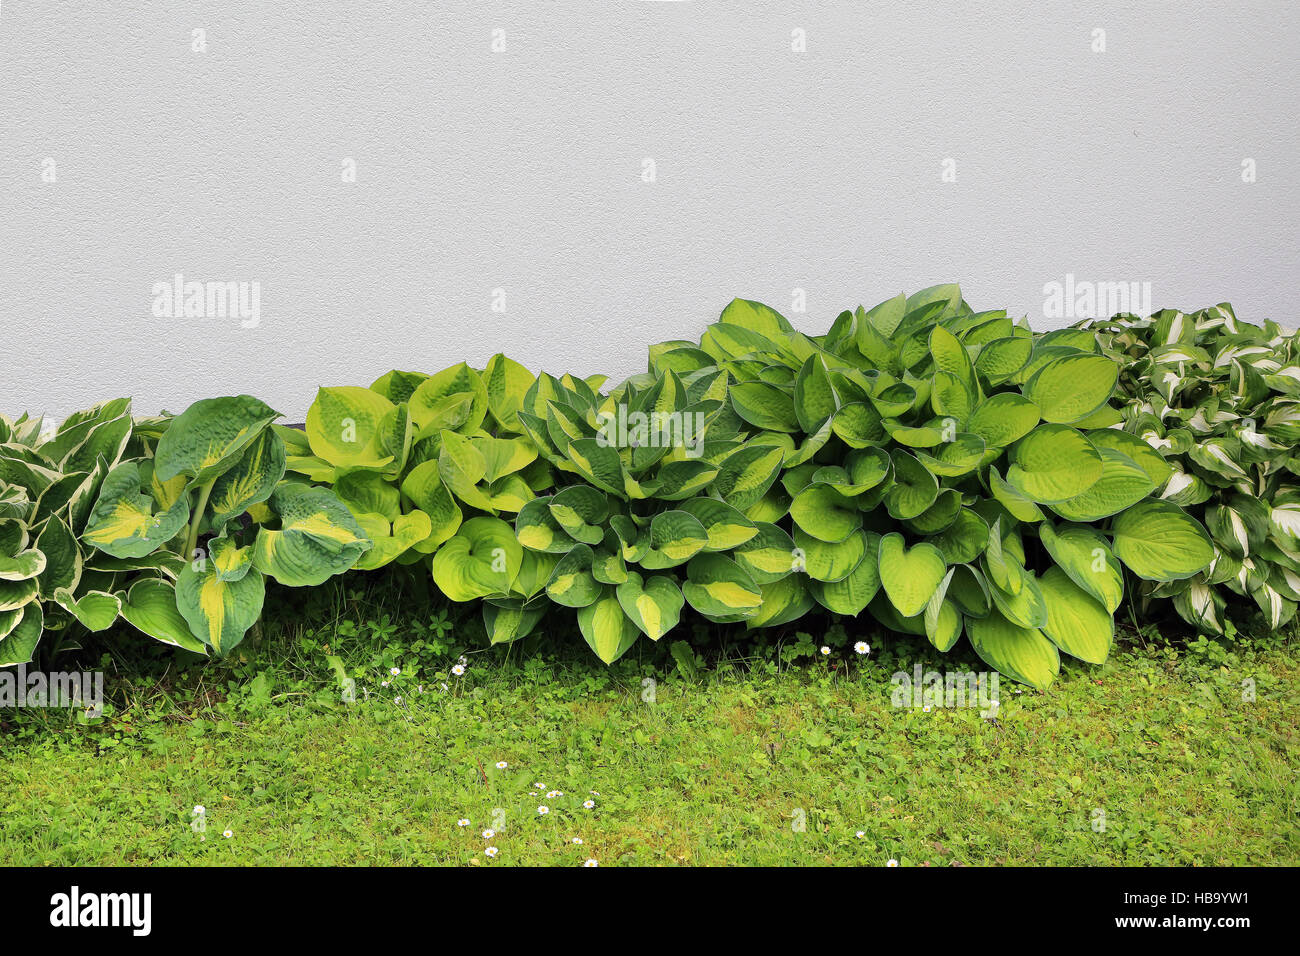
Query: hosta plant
{"x":1219,"y":400}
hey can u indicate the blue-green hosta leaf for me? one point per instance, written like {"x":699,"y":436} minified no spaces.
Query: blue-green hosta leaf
{"x":95,"y":610}
{"x":318,"y":537}
{"x":481,"y":560}
{"x":219,"y":613}
{"x":123,"y":522}
{"x":1054,"y":463}
{"x":653,"y":604}
{"x":1161,"y":542}
{"x":207,"y":438}
{"x":63,"y":558}
{"x":909,"y":576}
{"x":606,"y":629}
{"x":1021,"y":653}
{"x":1076,"y":622}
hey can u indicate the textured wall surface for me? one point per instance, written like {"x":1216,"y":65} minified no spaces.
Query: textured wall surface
{"x":128,"y":155}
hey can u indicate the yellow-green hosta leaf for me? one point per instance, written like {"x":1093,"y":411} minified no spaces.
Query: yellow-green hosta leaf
{"x":765,"y":406}
{"x":346,"y":427}
{"x":538,"y":530}
{"x":318,"y":537}
{"x":964,"y":540}
{"x":914,"y":488}
{"x":599,"y":464}
{"x":96,"y":610}
{"x":1021,"y":653}
{"x":784,"y":601}
{"x":909,"y":576}
{"x":582,"y":511}
{"x":482,"y":559}
{"x":1072,"y":387}
{"x":19,"y":645}
{"x":1018,"y":504}
{"x":1054,"y":463}
{"x":756,"y":316}
{"x":825,"y":514}
{"x":123,"y":522}
{"x":607,"y":630}
{"x":717,"y":586}
{"x":653,"y":604}
{"x":955,"y":458}
{"x":1076,"y":622}
{"x":1159,"y":541}
{"x":677,"y":480}
{"x":369,"y":492}
{"x":675,"y":538}
{"x":608,"y":567}
{"x":209,"y":436}
{"x":454,"y":399}
{"x":769,"y":555}
{"x":942,"y":619}
{"x":1123,"y":483}
{"x":397,"y":386}
{"x":251,"y":479}
{"x":505,"y":623}
{"x":572,"y":582}
{"x":851,"y":595}
{"x":827,"y":562}
{"x":230,"y":560}
{"x":725,"y":526}
{"x":219,"y":613}
{"x":815,"y":400}
{"x":424,"y":487}
{"x":1085,"y":556}
{"x":507,"y":382}
{"x":1024,"y":605}
{"x":1002,"y":419}
{"x":1001,"y":358}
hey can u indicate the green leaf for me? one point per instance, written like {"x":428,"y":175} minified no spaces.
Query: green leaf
{"x":483,"y":559}
{"x":1076,"y":622}
{"x":19,"y":646}
{"x":654,"y":604}
{"x":1020,"y":653}
{"x":1072,"y":387}
{"x":208,"y":437}
{"x":1054,"y":463}
{"x":824,"y":513}
{"x":606,"y":629}
{"x":1161,"y":542}
{"x":909,"y":576}
{"x":96,"y":610}
{"x":251,"y":479}
{"x":717,"y":586}
{"x":1083,"y":554}
{"x":219,"y":613}
{"x":123,"y":522}
{"x":318,"y":537}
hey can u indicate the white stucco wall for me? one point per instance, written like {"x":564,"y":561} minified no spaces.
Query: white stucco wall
{"x":521,"y":170}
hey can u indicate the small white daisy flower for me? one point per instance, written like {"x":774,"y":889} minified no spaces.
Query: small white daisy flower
{"x":199,"y":808}
{"x":892,"y":863}
{"x":501,"y":765}
{"x":539,"y":786}
{"x":228,"y":834}
{"x":860,"y":834}
{"x":383,"y":683}
{"x":862,"y":647}
{"x":577,"y":841}
{"x":826,"y":651}
{"x":489,"y":834}
{"x":588,"y":804}
{"x":395,"y":671}
{"x":490,"y":853}
{"x":462,"y":822}
{"x":551,"y":795}
{"x":458,"y":670}
{"x":591,"y":863}
{"x":925,"y":709}
{"x":543,"y":810}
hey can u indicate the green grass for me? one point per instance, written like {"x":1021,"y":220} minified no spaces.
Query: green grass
{"x":719,"y":769}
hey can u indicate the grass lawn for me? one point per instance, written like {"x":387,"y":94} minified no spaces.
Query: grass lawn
{"x":788,"y":758}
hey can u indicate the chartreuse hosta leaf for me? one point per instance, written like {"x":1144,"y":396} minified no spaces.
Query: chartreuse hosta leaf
{"x":208,"y":437}
{"x":391,"y":539}
{"x":1072,"y":387}
{"x":124,"y":522}
{"x":675,"y":538}
{"x":724,"y":525}
{"x":1021,"y":653}
{"x":1054,"y":463}
{"x":784,"y":601}
{"x":909,"y":576}
{"x":825,"y":514}
{"x":507,"y":383}
{"x":572,"y":582}
{"x":423,"y":486}
{"x":509,"y":621}
{"x":942,"y":619}
{"x":1160,"y":542}
{"x":1086,"y":557}
{"x":582,"y":511}
{"x":1077,"y":623}
{"x":230,"y":560}
{"x":219,"y":613}
{"x":318,"y":537}
{"x":718,"y":587}
{"x":653,"y":604}
{"x":482,"y":559}
{"x":607,"y":630}
{"x":455,"y":398}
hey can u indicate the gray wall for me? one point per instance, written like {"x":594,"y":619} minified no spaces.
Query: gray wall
{"x":522,"y":170}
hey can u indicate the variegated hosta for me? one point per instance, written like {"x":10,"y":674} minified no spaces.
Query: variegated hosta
{"x":1219,"y":400}
{"x":174,"y":523}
